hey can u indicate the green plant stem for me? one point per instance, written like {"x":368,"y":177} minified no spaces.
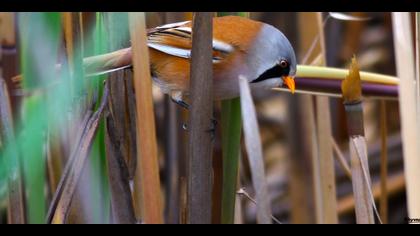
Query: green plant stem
{"x":100,"y":193}
{"x":231,"y":137}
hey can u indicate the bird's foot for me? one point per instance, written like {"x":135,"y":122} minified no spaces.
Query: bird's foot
{"x":185,"y":126}
{"x":211,"y":130}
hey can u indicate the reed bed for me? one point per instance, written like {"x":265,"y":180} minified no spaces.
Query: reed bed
{"x":78,"y":146}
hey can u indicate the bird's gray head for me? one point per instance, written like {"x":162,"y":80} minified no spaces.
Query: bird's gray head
{"x":273,"y":59}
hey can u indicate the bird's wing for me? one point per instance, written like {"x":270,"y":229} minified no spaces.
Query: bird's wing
{"x":176,"y":40}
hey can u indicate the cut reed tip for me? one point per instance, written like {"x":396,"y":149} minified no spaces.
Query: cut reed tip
{"x":351,"y":87}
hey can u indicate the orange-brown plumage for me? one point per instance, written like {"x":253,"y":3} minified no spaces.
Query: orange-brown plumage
{"x":174,"y":71}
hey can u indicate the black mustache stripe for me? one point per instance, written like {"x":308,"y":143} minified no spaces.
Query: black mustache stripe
{"x":273,"y":72}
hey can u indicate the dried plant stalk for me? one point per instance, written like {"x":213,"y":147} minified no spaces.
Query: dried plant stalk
{"x":383,"y":202}
{"x":254,"y":150}
{"x":200,"y":141}
{"x":303,"y":137}
{"x":325,"y":149}
{"x":352,"y":96}
{"x":147,"y":176}
{"x":409,"y":120}
{"x":60,"y":205}
{"x":358,"y":153}
{"x":396,"y":184}
{"x":121,"y":201}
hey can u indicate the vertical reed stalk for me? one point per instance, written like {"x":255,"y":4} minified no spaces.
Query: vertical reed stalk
{"x":417,"y":66}
{"x":409,"y":120}
{"x":325,"y":162}
{"x":176,"y":142}
{"x":352,"y":94}
{"x":201,"y":113}
{"x":231,"y":137}
{"x":383,"y":202}
{"x":117,"y":135}
{"x":304,"y":179}
{"x":147,"y":176}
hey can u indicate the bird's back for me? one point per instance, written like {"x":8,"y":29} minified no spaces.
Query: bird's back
{"x":170,"y":48}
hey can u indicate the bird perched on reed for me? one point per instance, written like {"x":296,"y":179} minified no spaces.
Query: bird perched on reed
{"x":241,"y":46}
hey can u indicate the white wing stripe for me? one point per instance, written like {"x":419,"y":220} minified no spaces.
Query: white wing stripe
{"x":185,"y":29}
{"x":179,"y":52}
{"x":222,"y":46}
{"x":172,"y":25}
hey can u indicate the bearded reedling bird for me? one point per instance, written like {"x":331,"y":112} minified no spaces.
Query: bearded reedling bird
{"x":241,"y":46}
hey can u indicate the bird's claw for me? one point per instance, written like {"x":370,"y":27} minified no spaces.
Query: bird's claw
{"x":185,"y":126}
{"x":211,"y":130}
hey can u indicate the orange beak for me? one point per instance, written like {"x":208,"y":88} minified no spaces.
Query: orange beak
{"x":290,"y":83}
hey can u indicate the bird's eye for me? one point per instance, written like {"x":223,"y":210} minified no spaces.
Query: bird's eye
{"x":283,"y":63}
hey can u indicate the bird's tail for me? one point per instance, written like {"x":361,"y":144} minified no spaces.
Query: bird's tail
{"x":97,"y":65}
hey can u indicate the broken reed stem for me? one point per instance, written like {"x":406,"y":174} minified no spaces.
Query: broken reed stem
{"x":147,"y":176}
{"x":16,"y":210}
{"x":255,"y":154}
{"x":383,"y":202}
{"x":199,"y":191}
{"x":408,"y":106}
{"x":246,"y":194}
{"x":60,"y":206}
{"x":351,"y":89}
{"x":68,"y":167}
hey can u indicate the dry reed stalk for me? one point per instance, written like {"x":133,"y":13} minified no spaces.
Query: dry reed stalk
{"x":417,"y":65}
{"x":80,"y":210}
{"x":304,"y":142}
{"x":352,"y":94}
{"x":60,"y":205}
{"x":147,"y":176}
{"x":324,"y":174}
{"x":119,"y":127}
{"x":341,"y":159}
{"x":409,"y":120}
{"x":255,"y":154}
{"x":396,"y":184}
{"x":200,"y":140}
{"x":121,"y":201}
{"x":383,"y":202}
{"x":175,"y":143}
